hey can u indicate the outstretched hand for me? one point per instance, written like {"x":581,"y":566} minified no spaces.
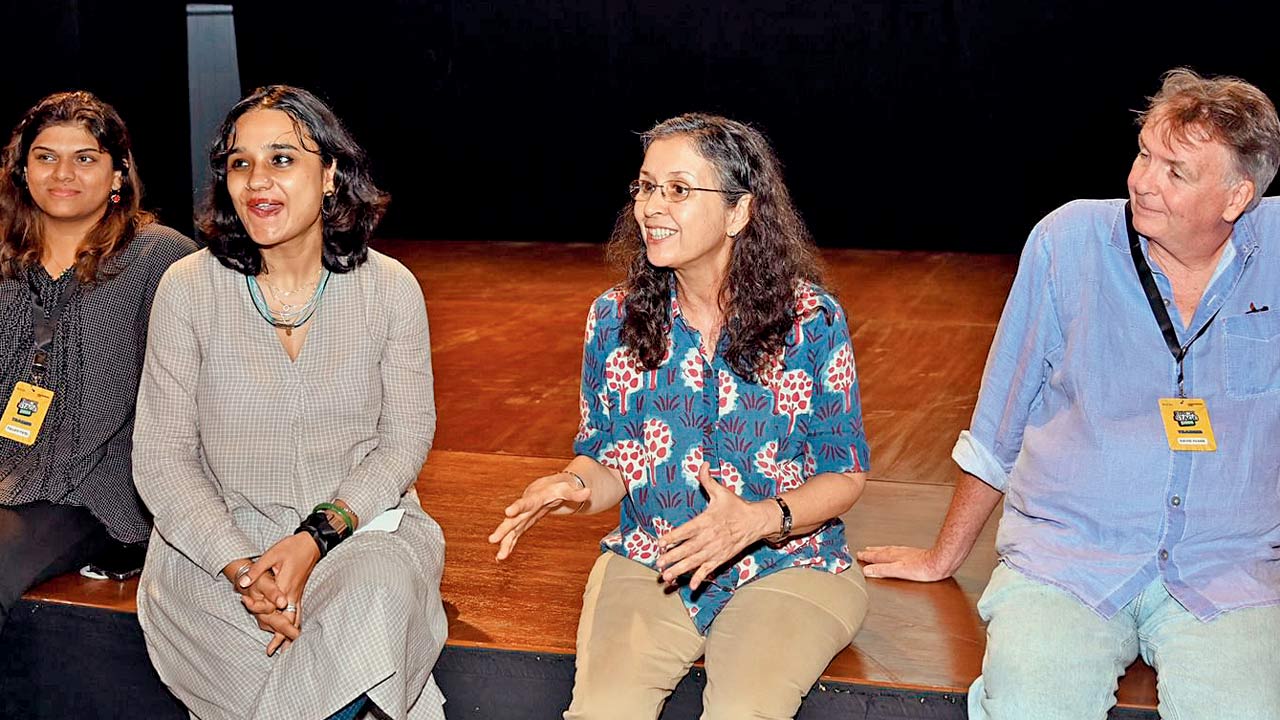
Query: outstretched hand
{"x":905,"y":563}
{"x":542,"y":496}
{"x":716,"y":535}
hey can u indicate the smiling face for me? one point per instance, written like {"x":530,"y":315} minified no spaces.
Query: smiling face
{"x":692,"y":235}
{"x":1184,"y":192}
{"x":69,"y":175}
{"x":276,"y":180}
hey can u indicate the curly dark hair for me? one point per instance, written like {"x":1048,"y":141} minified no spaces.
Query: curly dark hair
{"x":21,"y":242}
{"x":349,"y":215}
{"x":769,"y":257}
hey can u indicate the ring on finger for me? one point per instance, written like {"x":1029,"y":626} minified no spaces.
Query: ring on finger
{"x":290,"y":608}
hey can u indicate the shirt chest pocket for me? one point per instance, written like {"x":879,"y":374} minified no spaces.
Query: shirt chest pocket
{"x":1253,"y":353}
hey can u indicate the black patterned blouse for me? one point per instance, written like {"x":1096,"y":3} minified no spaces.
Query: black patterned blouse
{"x":82,"y":456}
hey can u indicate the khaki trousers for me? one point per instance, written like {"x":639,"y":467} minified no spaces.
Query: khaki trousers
{"x":763,"y":651}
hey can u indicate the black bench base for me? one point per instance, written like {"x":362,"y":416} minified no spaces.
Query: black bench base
{"x":65,"y":661}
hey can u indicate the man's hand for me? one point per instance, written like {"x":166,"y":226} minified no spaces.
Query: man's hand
{"x":906,"y":563}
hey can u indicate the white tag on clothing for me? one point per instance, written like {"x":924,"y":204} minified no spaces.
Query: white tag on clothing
{"x":388,"y":521}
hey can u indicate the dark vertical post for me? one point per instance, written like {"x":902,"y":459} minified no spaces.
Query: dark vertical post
{"x":213,"y":82}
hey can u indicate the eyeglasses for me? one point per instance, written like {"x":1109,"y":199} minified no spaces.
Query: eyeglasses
{"x":673,"y":191}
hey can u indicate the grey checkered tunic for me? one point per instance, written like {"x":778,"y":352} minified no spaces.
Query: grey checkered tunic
{"x":234,"y":444}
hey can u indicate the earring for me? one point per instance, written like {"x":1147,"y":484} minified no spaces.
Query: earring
{"x":114,"y":197}
{"x":326,"y":203}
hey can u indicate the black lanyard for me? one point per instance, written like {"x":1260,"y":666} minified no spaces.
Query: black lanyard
{"x":44,"y":321}
{"x":1157,"y":303}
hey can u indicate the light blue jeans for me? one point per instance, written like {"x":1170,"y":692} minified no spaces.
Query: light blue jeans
{"x":1049,"y":656}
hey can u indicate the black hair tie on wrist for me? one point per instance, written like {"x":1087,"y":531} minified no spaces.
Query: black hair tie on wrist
{"x":325,"y":535}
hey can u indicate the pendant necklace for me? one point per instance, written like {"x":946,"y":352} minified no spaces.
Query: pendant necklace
{"x":289,"y":316}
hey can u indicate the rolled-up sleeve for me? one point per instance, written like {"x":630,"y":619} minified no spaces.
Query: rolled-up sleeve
{"x":595,"y":425}
{"x":1017,"y":367}
{"x":836,"y":439}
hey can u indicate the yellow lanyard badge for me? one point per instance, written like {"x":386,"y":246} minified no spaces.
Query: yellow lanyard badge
{"x":1186,"y":423}
{"x":1186,"y":420}
{"x":24,"y":415}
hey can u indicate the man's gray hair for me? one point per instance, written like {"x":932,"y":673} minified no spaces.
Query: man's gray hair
{"x":1226,"y":109}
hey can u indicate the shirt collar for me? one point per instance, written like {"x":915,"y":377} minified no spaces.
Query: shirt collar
{"x":1243,"y":241}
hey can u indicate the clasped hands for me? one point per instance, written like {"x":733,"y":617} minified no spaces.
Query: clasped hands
{"x":271,"y":589}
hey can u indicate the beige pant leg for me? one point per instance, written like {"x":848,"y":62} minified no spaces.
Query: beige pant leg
{"x":774,"y":639}
{"x":635,"y":642}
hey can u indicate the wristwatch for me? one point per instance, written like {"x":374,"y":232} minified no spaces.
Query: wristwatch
{"x":784,"y":529}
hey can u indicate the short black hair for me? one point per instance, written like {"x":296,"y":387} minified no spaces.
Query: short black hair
{"x":349,"y":215}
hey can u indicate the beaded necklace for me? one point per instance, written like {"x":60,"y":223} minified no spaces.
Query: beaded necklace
{"x":295,"y":317}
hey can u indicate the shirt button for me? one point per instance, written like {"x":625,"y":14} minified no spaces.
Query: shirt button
{"x":1164,"y":554}
{"x":1175,"y":501}
{"x":1166,"y":302}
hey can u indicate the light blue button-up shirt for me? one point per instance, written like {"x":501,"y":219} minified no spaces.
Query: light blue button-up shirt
{"x":1067,"y":423}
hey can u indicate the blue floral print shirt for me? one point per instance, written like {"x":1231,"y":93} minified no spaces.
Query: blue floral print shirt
{"x":760,"y":439}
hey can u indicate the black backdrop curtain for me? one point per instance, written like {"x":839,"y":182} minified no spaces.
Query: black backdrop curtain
{"x":912,"y":124}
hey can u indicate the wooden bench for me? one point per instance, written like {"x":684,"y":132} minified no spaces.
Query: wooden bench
{"x":506,"y":322}
{"x":920,"y":641}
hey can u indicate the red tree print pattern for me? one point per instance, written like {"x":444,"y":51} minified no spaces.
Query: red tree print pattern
{"x":585,"y":431}
{"x":631,"y":461}
{"x":622,"y":374}
{"x":786,"y":473}
{"x":728,"y":392}
{"x":766,"y":461}
{"x":810,"y":542}
{"x":771,"y":375}
{"x":657,"y":444}
{"x":807,"y":304}
{"x":591,"y":325}
{"x":691,"y":369}
{"x":661,"y":527}
{"x":653,"y":374}
{"x":729,"y":476}
{"x":841,"y":373}
{"x":747,"y":568}
{"x":618,"y":297}
{"x":641,"y":547}
{"x":691,"y":464}
{"x":793,"y":396}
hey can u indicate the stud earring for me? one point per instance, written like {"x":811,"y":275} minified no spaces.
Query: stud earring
{"x":114,"y":197}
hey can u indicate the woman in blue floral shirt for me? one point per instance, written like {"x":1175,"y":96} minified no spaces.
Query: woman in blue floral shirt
{"x":720,"y":408}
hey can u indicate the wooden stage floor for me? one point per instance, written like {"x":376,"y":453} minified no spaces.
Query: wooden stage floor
{"x":507,"y":323}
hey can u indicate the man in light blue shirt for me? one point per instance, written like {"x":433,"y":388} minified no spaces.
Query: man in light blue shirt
{"x":1130,"y":418}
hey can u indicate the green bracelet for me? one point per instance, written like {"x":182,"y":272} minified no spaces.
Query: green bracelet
{"x":346,"y":516}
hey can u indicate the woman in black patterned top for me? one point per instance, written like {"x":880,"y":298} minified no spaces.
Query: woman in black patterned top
{"x":79,"y":263}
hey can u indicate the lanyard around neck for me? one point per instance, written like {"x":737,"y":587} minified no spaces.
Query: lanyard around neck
{"x":44,"y":321}
{"x":1154,"y":299}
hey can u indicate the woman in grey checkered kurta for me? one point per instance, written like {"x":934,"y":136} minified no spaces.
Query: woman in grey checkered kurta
{"x":235,"y":443}
{"x":234,"y":446}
